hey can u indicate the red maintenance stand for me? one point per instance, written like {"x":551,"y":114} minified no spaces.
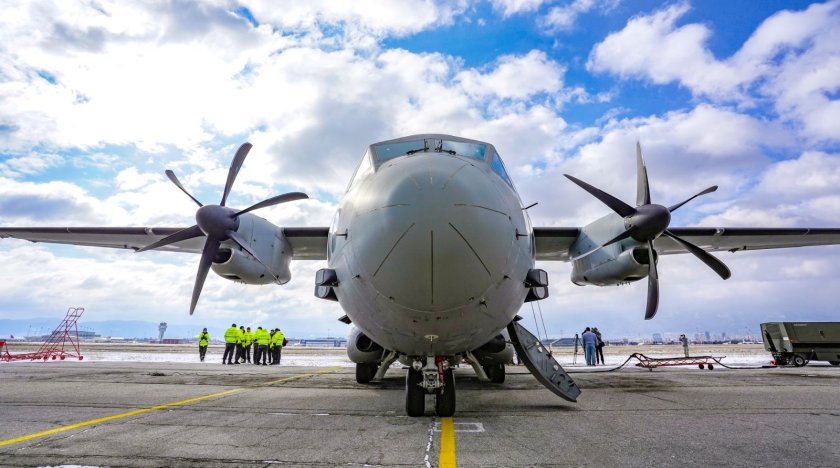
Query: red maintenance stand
{"x":650,"y":363}
{"x":61,"y":344}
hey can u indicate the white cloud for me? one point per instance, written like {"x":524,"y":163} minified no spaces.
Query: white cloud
{"x":29,"y":164}
{"x":515,"y":77}
{"x":792,"y":59}
{"x":562,"y":18}
{"x":512,"y":7}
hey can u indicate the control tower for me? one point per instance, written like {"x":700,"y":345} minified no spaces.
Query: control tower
{"x":162,"y":330}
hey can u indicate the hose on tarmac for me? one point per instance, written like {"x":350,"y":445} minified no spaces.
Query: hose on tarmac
{"x":636,"y":356}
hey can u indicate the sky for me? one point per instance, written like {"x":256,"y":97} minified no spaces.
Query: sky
{"x":98,"y":98}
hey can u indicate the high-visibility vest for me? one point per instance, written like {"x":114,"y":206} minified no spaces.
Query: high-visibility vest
{"x":277,"y":339}
{"x":262,"y":337}
{"x":249,"y":338}
{"x":240,"y":336}
{"x":203,"y":339}
{"x":231,"y":335}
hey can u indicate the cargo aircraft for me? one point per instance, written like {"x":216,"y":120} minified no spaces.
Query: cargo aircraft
{"x":431,"y":254}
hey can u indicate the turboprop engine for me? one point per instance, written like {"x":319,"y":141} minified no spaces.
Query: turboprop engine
{"x":361,"y":349}
{"x":267,"y":241}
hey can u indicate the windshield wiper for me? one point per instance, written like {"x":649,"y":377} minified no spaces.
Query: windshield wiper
{"x":424,"y":148}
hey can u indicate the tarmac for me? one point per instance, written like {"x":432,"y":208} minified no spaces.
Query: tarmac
{"x":207,"y":414}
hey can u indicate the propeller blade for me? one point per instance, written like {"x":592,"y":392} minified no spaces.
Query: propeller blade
{"x":615,"y":204}
{"x":719,"y":267}
{"x":240,"y":241}
{"x":708,"y":190}
{"x":642,"y":187}
{"x":179,"y":236}
{"x":286,"y":197}
{"x":211,"y":247}
{"x":653,"y":285}
{"x":622,"y":236}
{"x":235,"y":165}
{"x":177,"y":182}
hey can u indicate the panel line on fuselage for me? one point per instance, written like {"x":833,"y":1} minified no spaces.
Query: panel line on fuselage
{"x":473,"y":250}
{"x":392,"y":249}
{"x":483,"y":208}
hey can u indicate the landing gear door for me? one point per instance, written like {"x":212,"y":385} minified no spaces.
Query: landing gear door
{"x":541,"y":363}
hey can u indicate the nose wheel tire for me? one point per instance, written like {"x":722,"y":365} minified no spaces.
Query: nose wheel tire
{"x":366,"y":372}
{"x":415,"y":395}
{"x":445,"y":397}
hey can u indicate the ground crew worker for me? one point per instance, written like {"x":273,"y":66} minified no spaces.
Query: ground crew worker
{"x":203,"y":341}
{"x":278,"y":345}
{"x":246,"y":344}
{"x":240,"y":337}
{"x":231,"y":338}
{"x":271,"y":347}
{"x":262,"y":345}
{"x":684,"y":342}
{"x":256,"y":342}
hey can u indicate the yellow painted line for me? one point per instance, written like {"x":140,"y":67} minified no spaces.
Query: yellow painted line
{"x":446,"y":458}
{"x":301,"y":376}
{"x":188,"y":401}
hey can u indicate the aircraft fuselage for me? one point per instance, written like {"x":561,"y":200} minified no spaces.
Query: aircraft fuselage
{"x":431,"y":248}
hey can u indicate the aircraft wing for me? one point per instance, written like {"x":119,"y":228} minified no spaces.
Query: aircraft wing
{"x":717,"y":239}
{"x":307,"y":243}
{"x":553,"y":243}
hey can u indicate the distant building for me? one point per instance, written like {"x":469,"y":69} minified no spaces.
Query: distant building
{"x":162,"y":330}
{"x":708,"y":337}
{"x":657,"y":338}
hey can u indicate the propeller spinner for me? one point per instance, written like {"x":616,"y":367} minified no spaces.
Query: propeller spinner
{"x":219,"y":223}
{"x":646,"y":222}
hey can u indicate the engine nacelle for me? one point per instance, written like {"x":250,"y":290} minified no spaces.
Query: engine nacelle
{"x":496,"y":351}
{"x":268,"y":242}
{"x":361,"y":349}
{"x":630,"y":265}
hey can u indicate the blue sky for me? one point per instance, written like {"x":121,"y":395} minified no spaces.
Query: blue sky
{"x":98,"y":98}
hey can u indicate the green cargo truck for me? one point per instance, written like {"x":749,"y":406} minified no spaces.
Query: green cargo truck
{"x":799,"y":342}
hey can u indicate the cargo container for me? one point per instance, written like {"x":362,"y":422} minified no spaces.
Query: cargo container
{"x":798,"y":343}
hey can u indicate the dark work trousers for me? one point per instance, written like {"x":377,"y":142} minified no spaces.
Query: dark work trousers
{"x":600,"y":352}
{"x":248,"y":353}
{"x":270,"y":354}
{"x":230,"y":349}
{"x":202,"y":351}
{"x":263,"y":352}
{"x":256,"y":353}
{"x":277,"y":350}
{"x":240,"y":351}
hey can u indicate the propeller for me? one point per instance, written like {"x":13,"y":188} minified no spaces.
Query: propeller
{"x":645,"y":223}
{"x":219,"y":223}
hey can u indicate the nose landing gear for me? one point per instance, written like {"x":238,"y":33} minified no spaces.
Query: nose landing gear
{"x":436,"y":377}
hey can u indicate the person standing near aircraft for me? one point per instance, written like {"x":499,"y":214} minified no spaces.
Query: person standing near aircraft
{"x":684,"y":342}
{"x":271,"y":347}
{"x":246,"y":345}
{"x":590,"y":341}
{"x":261,"y":336}
{"x":599,"y":347}
{"x":240,"y":336}
{"x":231,"y":339}
{"x":203,"y":341}
{"x":277,"y":341}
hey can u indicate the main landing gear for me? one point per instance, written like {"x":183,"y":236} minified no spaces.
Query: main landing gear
{"x":430,"y":375}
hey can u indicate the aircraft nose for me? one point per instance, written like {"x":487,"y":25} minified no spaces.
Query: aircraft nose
{"x":433,"y":232}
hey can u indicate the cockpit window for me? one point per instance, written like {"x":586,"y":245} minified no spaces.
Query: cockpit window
{"x":385,"y":152}
{"x":470,"y":150}
{"x":499,"y":168}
